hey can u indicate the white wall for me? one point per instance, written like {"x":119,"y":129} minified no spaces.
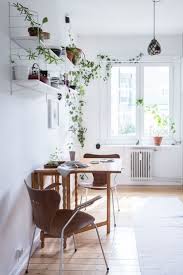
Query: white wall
{"x":166,"y":162}
{"x":25,"y":143}
{"x":25,"y":140}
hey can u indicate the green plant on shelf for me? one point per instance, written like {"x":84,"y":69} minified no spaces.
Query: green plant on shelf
{"x":29,"y":16}
{"x":36,"y":27}
{"x":46,"y":53}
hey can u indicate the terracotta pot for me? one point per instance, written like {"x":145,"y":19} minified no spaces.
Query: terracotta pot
{"x":77,"y":56}
{"x":34,"y":31}
{"x":45,"y":35}
{"x":70,"y":55}
{"x":157,"y":140}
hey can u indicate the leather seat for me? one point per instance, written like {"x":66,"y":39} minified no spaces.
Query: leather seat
{"x":80,"y":221}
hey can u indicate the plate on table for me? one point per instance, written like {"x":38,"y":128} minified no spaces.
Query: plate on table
{"x":106,"y":160}
{"x":94,"y":162}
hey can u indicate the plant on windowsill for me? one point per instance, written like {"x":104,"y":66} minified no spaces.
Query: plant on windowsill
{"x":161,"y":123}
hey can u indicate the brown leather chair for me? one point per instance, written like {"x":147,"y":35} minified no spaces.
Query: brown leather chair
{"x":99,"y":181}
{"x":59,"y":223}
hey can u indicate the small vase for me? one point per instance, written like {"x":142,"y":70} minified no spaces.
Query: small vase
{"x":21,"y":72}
{"x":72,"y":155}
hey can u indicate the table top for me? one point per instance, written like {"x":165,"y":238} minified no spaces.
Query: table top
{"x":107,"y":167}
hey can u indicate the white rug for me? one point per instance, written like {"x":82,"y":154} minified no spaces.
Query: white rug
{"x":159,"y":236}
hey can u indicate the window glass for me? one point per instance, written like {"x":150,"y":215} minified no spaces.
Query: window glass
{"x":123,"y":101}
{"x":156,"y":100}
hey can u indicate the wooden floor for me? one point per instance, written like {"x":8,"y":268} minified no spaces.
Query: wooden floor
{"x":119,"y":245}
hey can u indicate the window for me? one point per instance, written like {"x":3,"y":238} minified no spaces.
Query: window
{"x":127,"y":121}
{"x":123,"y":101}
{"x":156,"y":92}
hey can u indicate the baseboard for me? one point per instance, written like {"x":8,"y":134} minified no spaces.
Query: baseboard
{"x":19,"y":268}
{"x":149,"y":187}
{"x":156,"y":181}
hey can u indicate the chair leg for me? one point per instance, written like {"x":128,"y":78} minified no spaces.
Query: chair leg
{"x":81,"y":198}
{"x":30,"y":252}
{"x":74,"y":240}
{"x":42,"y":238}
{"x":101,"y":247}
{"x":116,"y":192}
{"x":114,"y":217}
{"x":61,"y":269}
{"x":86,"y":195}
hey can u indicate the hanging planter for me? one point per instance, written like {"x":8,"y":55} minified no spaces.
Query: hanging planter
{"x":74,"y":54}
{"x":70,"y":54}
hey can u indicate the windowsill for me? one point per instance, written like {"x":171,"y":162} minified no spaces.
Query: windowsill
{"x":142,"y":146}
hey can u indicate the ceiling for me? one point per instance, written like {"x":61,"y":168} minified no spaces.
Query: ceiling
{"x":123,"y":17}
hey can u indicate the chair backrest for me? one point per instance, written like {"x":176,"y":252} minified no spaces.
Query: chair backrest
{"x":44,"y":203}
{"x":100,"y":179}
{"x":109,"y":156}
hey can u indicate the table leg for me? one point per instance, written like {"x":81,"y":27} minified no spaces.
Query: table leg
{"x":57,"y":181}
{"x":64,"y":192}
{"x":33,"y":180}
{"x":68,"y":188}
{"x":108,"y":176}
{"x":76,"y":190}
{"x":41,"y":183}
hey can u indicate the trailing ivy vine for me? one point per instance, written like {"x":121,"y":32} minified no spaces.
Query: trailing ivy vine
{"x":86,"y":72}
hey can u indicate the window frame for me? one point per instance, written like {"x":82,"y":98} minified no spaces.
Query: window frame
{"x":117,"y":139}
{"x":171,"y":92}
{"x":105,"y":134}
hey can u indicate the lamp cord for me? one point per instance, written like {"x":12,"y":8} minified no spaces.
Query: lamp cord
{"x":154,"y":2}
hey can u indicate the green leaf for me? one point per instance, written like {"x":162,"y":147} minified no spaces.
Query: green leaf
{"x":45,"y":20}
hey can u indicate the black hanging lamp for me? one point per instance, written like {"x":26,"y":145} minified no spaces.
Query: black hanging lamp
{"x":154,"y":47}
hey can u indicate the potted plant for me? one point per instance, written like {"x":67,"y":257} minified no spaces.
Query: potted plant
{"x":73,"y":54}
{"x":55,"y":159}
{"x":161,"y":123}
{"x":35,"y":28}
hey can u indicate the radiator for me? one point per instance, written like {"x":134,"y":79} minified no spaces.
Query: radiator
{"x":141,"y":164}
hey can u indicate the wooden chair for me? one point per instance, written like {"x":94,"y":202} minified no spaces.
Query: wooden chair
{"x":99,"y":181}
{"x":59,"y":223}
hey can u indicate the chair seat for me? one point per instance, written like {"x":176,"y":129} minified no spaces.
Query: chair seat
{"x":80,"y":221}
{"x":89,"y":185}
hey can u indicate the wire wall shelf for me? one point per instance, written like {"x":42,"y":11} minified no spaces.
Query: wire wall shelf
{"x":21,"y":44}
